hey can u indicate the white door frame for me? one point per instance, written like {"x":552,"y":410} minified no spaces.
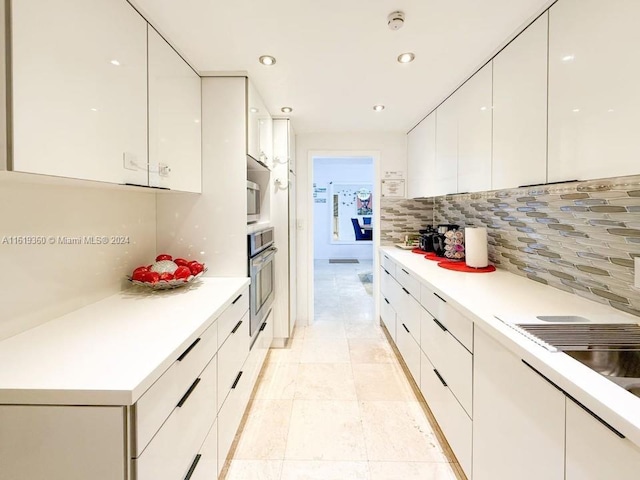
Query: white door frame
{"x":373,"y":154}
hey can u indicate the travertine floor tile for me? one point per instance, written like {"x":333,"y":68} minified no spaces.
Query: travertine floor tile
{"x":370,"y":351}
{"x":254,"y":470}
{"x":325,"y":381}
{"x":310,"y":470}
{"x":410,"y":471}
{"x":278,"y":381}
{"x":264,"y":436}
{"x":381,"y":382}
{"x":325,"y":350}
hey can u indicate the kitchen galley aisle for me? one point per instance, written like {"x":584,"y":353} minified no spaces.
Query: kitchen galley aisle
{"x":336,"y":404}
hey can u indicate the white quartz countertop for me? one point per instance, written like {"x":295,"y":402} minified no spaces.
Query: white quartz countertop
{"x":112,"y":351}
{"x":484,"y":296}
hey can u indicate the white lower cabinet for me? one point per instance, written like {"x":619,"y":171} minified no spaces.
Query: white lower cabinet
{"x":171,"y":452}
{"x":205,"y":465}
{"x":452,"y":419}
{"x":518,"y":417}
{"x":388,"y":315}
{"x":409,"y":348}
{"x":594,"y":452}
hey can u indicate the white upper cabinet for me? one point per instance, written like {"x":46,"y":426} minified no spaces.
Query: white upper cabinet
{"x":474,"y":132}
{"x":594,"y":100}
{"x":175,"y":159}
{"x":520,"y":109}
{"x":421,"y":158}
{"x":446,"y":170}
{"x":79,"y":78}
{"x":259,"y":127}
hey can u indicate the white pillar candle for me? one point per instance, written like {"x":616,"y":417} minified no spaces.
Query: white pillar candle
{"x":475,"y":239}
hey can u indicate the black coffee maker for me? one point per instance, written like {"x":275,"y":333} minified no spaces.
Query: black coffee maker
{"x":426,"y":238}
{"x":438,"y":238}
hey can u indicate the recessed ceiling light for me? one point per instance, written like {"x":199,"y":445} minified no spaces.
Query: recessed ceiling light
{"x":568,"y":58}
{"x":115,"y":62}
{"x":406,"y":57}
{"x":254,"y":110}
{"x":575,"y":110}
{"x":94,"y":109}
{"x":286,"y":109}
{"x":267,"y":60}
{"x":378,"y":108}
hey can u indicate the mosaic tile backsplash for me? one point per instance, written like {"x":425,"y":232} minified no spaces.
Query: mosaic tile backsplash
{"x":580,"y":237}
{"x":400,"y":217}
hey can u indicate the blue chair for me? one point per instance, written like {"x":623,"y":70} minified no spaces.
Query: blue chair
{"x":366,"y":220}
{"x":361,"y":234}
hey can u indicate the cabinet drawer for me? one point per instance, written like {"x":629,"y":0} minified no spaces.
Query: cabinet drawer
{"x":229,"y":319}
{"x":388,"y":315}
{"x":157,"y":403}
{"x":205,"y":465}
{"x":231,"y":357}
{"x":410,"y":351}
{"x":452,"y":360}
{"x":459,"y":325}
{"x":408,"y":282}
{"x":408,"y":312}
{"x":451,"y":417}
{"x":388,"y":264}
{"x":171,"y":452}
{"x":230,"y":415}
{"x":386,"y":283}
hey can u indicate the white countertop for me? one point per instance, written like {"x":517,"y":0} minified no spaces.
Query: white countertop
{"x":110,"y":352}
{"x":483,"y":296}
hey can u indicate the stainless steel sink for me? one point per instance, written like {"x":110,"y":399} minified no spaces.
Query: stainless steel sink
{"x":610,"y":363}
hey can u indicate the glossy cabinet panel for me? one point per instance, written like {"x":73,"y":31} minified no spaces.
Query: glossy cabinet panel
{"x":175,"y":158}
{"x":593,"y":452}
{"x":520,"y":109}
{"x":421,"y":153}
{"x":259,"y":127}
{"x":80,"y":90}
{"x":474,"y":132}
{"x":446,"y":170}
{"x":518,"y":417}
{"x":594,"y":100}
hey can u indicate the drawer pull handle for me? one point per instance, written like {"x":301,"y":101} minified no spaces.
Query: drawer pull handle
{"x":235,"y":382}
{"x":405,"y":271}
{"x":616,"y":432}
{"x":263,"y":326}
{"x":235,"y":329}
{"x":189,"y":392}
{"x":405,"y":327}
{"x":189,"y":348}
{"x":406,"y":291}
{"x":237,"y":298}
{"x":385,"y":271}
{"x":387,"y":301}
{"x":193,"y":466}
{"x":444,"y":329}
{"x":439,"y":377}
{"x":440,"y":297}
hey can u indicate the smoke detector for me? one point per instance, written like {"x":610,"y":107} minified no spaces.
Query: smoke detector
{"x":395,"y":20}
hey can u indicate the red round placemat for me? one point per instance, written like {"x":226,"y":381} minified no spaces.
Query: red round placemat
{"x":417,"y":250}
{"x":435,"y":258}
{"x":462,"y":267}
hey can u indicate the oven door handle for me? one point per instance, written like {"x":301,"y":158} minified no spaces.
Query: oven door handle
{"x":263,"y":257}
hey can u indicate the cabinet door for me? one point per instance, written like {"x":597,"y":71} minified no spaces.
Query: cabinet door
{"x":80,"y":90}
{"x":474,"y":132}
{"x":593,"y":452}
{"x":446,"y":169}
{"x":175,"y":159}
{"x":520,"y":109}
{"x":594,"y":100}
{"x":408,"y":348}
{"x":518,"y":417}
{"x":205,"y":465}
{"x":421,"y":158}
{"x":259,"y":128}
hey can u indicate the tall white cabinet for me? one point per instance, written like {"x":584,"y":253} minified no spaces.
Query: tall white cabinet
{"x":446,"y":165}
{"x":259,"y":127}
{"x":520,"y":109}
{"x":421,"y":157}
{"x":474,"y":132}
{"x":594,"y":101}
{"x":174,"y":119}
{"x":79,"y":79}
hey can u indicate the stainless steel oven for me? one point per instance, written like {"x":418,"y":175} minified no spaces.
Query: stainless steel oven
{"x":262,"y":273}
{"x":253,"y":202}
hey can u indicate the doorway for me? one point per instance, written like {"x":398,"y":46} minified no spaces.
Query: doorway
{"x":344,"y":213}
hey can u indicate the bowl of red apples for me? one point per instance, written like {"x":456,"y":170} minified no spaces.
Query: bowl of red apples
{"x":167,"y":272}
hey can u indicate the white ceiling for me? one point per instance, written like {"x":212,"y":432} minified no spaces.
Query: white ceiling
{"x":337,"y":58}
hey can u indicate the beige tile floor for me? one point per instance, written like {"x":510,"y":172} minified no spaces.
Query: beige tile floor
{"x":336,"y":404}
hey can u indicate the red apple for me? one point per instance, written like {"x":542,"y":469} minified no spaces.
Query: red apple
{"x":151,"y":277}
{"x":166,"y":276}
{"x":195,"y":267}
{"x":138,"y":274}
{"x":163,"y":256}
{"x":181,"y":262}
{"x":182,"y":273}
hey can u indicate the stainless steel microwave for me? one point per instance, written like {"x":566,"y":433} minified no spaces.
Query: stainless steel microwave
{"x":253,"y":202}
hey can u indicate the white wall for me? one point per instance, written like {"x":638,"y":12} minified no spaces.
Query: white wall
{"x":334,"y":171}
{"x":41,"y":282}
{"x":389,"y":150}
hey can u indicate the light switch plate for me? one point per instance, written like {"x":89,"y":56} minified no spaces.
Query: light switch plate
{"x":636,"y":269}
